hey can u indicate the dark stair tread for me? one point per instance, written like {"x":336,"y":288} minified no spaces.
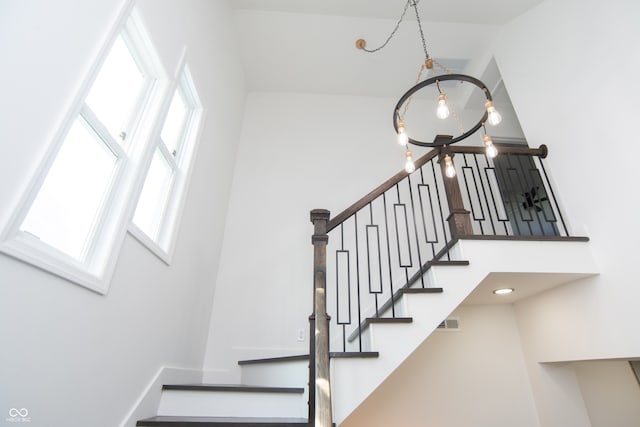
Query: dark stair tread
{"x":387,"y":305}
{"x":222,"y":422}
{"x":449,"y":263}
{"x":233,"y":388}
{"x":333,"y":354}
{"x":293,"y":358}
{"x":527,"y":238}
{"x":420,"y":291}
{"x":369,"y":320}
{"x":407,"y":289}
{"x":353,"y":354}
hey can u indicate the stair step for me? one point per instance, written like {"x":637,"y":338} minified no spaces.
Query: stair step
{"x":280,"y":359}
{"x":229,"y":400}
{"x":232,"y":388}
{"x":371,"y":320}
{"x":286,"y":371}
{"x":420,"y":291}
{"x":396,"y":296}
{"x":433,"y":263}
{"x":222,"y":422}
{"x":368,"y":321}
{"x":407,"y":289}
{"x":284,"y":359}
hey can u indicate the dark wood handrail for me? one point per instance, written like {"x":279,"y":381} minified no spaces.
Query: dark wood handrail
{"x":378,"y":191}
{"x":503,"y":149}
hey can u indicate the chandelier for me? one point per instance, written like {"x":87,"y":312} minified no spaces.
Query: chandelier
{"x":443,"y":111}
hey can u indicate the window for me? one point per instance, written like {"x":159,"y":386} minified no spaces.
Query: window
{"x":157,"y":212}
{"x":65,"y":211}
{"x":73,"y":220}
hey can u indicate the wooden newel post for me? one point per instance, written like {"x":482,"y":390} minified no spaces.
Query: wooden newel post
{"x":319,"y":360}
{"x":459,"y":218}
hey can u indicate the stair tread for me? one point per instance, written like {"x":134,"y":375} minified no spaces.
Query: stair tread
{"x":232,"y":388}
{"x":407,"y":288}
{"x":292,"y":358}
{"x":421,"y":290}
{"x":397,"y":295}
{"x":333,"y":354}
{"x":176,"y":421}
{"x":370,"y":320}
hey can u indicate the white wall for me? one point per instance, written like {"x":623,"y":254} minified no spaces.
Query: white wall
{"x":611,"y":392}
{"x":70,"y":356}
{"x":297,"y":152}
{"x":565,"y":65}
{"x":579,"y":52}
{"x":475,"y":376}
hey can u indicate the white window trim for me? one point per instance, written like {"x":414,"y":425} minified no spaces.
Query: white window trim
{"x":96,"y":271}
{"x":172,"y":217}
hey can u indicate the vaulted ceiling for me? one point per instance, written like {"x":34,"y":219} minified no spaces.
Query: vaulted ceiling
{"x":309,"y":45}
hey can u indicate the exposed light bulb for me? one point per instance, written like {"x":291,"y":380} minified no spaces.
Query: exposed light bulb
{"x":409,"y":166}
{"x":492,"y":151}
{"x":449,"y":169}
{"x":443,"y":110}
{"x":493,"y":116}
{"x":403,"y":138}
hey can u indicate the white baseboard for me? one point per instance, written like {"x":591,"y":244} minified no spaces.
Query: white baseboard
{"x":146,"y":405}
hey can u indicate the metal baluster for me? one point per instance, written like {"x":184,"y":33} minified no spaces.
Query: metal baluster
{"x":415,"y":228}
{"x":359,"y":301}
{"x":424,"y":222}
{"x":386,"y":228}
{"x":444,"y":227}
{"x":406,"y":267}
{"x":555,"y":201}
{"x":484,"y":191}
{"x":371,"y":290}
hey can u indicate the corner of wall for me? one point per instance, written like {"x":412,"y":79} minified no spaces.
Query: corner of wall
{"x":147,"y":403}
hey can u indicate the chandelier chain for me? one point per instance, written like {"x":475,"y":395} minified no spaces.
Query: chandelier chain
{"x":393,"y":33}
{"x":456,"y":118}
{"x":406,"y":105}
{"x":414,"y":3}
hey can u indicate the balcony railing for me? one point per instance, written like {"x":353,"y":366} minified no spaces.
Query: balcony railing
{"x":387,"y":240}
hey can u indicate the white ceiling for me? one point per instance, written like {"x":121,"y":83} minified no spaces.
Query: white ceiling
{"x":309,"y":45}
{"x":494,"y":12}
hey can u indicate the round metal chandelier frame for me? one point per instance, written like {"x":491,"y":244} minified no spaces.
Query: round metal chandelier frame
{"x":440,"y":140}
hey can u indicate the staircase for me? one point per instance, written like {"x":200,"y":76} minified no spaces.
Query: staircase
{"x":464,"y":261}
{"x":273,"y":391}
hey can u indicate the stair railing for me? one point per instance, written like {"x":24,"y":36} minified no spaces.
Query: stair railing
{"x":388,"y":239}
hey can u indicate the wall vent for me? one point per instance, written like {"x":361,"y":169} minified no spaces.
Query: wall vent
{"x":450,"y":323}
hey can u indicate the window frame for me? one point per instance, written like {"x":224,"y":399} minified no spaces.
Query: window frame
{"x":95,"y":269}
{"x":163,"y":245}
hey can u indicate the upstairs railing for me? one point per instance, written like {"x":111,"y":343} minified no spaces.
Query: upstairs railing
{"x":387,"y":240}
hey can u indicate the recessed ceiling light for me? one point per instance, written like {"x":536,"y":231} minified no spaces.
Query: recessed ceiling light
{"x":503,"y":291}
